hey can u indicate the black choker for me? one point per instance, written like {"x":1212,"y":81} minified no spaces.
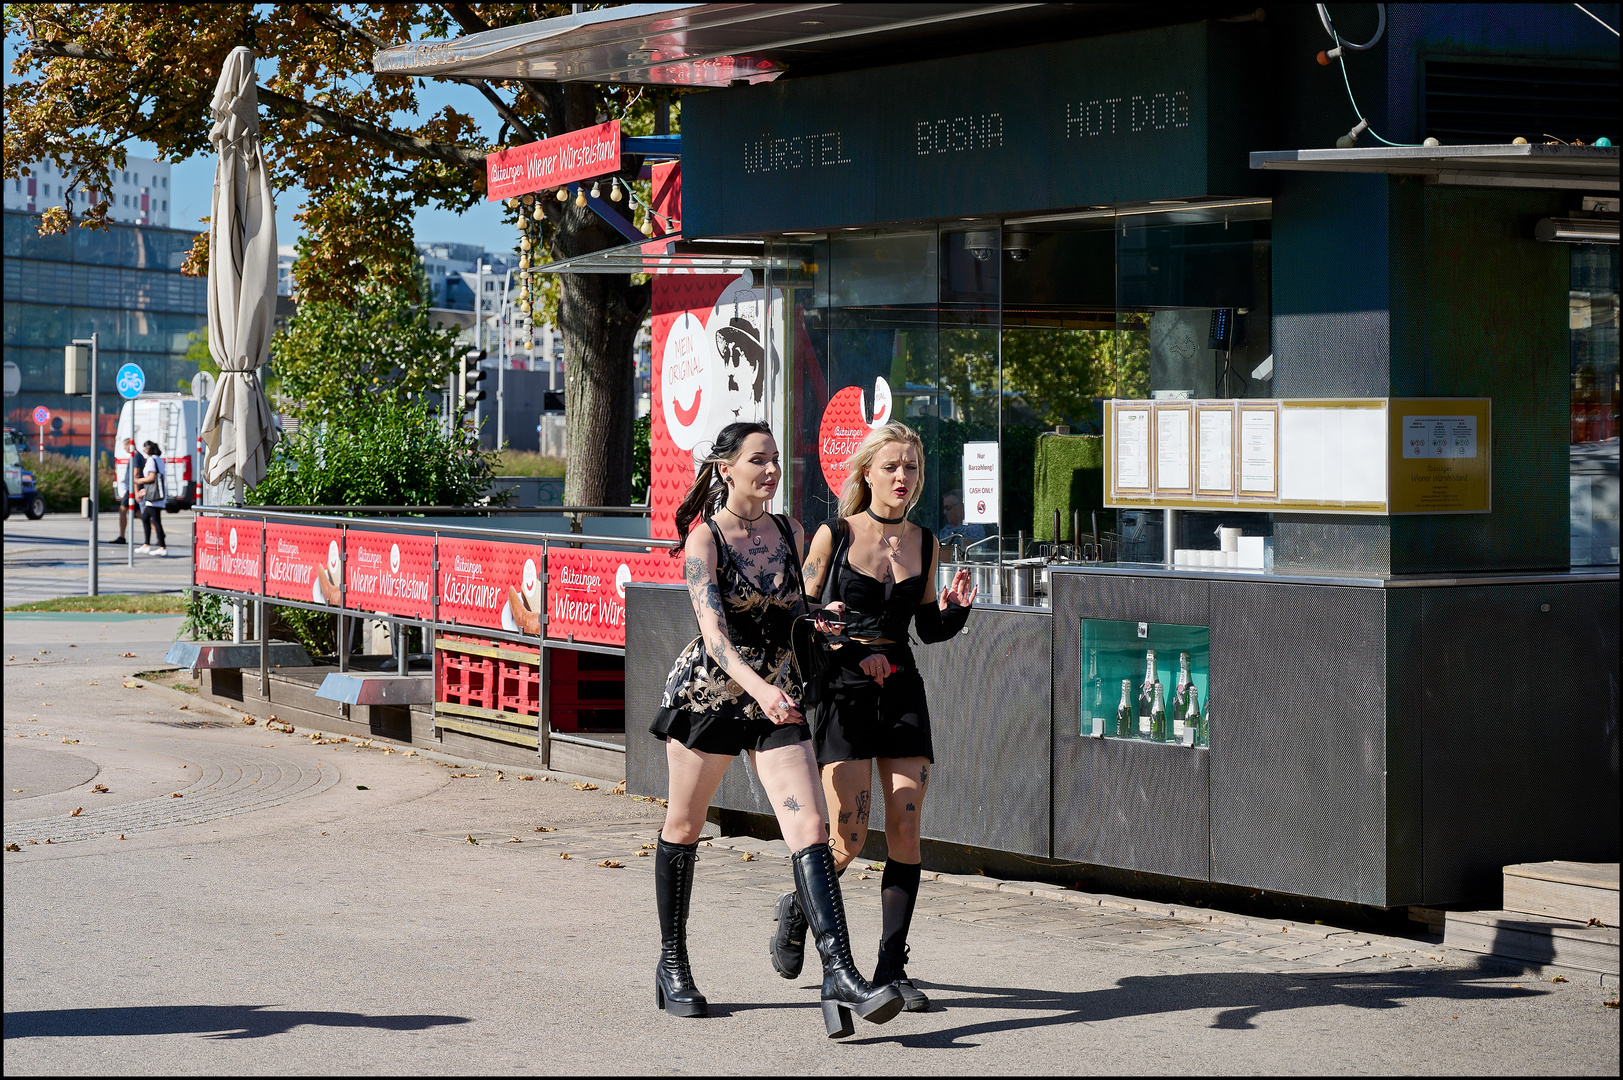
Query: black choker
{"x":886,"y":520}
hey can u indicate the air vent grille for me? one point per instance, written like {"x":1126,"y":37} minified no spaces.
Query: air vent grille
{"x":1470,"y":102}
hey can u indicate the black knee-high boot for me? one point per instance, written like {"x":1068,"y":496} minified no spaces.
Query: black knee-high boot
{"x":844,"y":989}
{"x":787,"y":949}
{"x":674,"y":990}
{"x":898,"y":892}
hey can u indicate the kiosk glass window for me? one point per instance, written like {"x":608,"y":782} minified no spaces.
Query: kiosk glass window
{"x":1593,"y":455}
{"x":1136,"y":681}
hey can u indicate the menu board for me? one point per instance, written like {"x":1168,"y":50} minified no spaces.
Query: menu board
{"x":1172,"y":449}
{"x":1215,"y":439}
{"x":1259,"y":451}
{"x":1332,"y":455}
{"x":1132,"y":450}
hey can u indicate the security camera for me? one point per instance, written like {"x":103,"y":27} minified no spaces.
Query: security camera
{"x":1018,"y":245}
{"x":981,"y":244}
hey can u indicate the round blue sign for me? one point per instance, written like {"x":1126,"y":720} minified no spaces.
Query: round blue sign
{"x":131,"y":380}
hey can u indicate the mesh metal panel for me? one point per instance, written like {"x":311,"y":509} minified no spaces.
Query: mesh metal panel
{"x":1405,"y":805}
{"x":659,"y":624}
{"x":1325,"y":541}
{"x":989,"y":720}
{"x":1520,"y":725}
{"x":1298,"y":738}
{"x":1134,"y":805}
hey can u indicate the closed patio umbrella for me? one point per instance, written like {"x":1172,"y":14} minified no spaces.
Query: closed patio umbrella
{"x":239,"y":429}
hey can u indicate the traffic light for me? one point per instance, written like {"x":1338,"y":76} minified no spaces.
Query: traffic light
{"x":470,"y":377}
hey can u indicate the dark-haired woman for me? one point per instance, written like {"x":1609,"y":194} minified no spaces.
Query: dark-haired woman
{"x":883,"y":575}
{"x":733,"y":690}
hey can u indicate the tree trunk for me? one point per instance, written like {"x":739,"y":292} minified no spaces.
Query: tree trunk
{"x":599,"y":315}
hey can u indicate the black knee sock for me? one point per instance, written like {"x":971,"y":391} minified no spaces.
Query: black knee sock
{"x":898,"y":891}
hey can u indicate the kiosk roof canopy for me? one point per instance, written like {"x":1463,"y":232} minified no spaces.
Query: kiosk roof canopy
{"x":675,"y":255}
{"x":717,"y":44}
{"x":1534,"y":165}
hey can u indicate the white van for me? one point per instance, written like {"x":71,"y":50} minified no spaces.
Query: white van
{"x":173,"y":422}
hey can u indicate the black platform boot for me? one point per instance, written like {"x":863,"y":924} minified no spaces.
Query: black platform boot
{"x":673,"y":887}
{"x":788,"y":945}
{"x":898,"y":893}
{"x":844,"y":989}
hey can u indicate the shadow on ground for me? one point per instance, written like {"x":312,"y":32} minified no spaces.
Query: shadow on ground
{"x":213,"y":1021}
{"x":1240,"y":998}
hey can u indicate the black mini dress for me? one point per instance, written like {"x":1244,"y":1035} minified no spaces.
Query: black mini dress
{"x":702,"y":707}
{"x":859,"y":718}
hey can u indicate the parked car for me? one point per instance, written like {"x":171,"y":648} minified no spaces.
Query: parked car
{"x":20,"y":491}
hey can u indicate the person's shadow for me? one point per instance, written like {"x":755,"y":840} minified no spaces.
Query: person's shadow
{"x":210,"y":1021}
{"x":1240,"y":996}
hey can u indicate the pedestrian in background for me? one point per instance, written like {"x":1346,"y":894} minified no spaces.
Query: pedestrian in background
{"x":124,"y":486}
{"x":154,"y":495}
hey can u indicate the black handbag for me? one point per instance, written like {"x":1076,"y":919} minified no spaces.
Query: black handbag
{"x":811,"y":648}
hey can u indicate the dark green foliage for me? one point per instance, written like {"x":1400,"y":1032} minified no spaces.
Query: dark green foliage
{"x":63,"y":480}
{"x":640,"y":457}
{"x":208,"y":617}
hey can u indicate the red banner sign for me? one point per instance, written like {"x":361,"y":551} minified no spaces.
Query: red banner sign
{"x":391,"y":573}
{"x":226,"y":553}
{"x":304,"y":564}
{"x":586,"y":590}
{"x":593,"y":151}
{"x":845,"y":425}
{"x":493,"y":585}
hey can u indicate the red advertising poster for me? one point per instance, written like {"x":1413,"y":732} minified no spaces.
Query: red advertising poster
{"x":391,"y":573}
{"x":845,"y":425}
{"x":709,"y":369}
{"x":575,"y":155}
{"x":586,"y":590}
{"x":302,"y":563}
{"x":226,"y":553}
{"x":492,"y":585}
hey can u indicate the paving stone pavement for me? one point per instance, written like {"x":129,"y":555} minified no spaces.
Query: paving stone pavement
{"x":391,"y":912}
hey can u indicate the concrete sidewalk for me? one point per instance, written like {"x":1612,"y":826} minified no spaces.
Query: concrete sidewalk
{"x":313,"y":906}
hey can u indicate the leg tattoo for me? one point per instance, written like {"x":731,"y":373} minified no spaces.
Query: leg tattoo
{"x":790,"y":804}
{"x":862,"y":808}
{"x":845,"y":818}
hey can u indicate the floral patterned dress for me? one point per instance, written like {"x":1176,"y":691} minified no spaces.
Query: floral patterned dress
{"x":702,"y":706}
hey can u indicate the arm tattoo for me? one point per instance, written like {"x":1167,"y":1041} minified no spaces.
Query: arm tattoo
{"x":791,"y":805}
{"x":718,"y":644}
{"x":694,"y":571}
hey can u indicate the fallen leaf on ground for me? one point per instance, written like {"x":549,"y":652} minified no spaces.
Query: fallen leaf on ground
{"x":81,"y":809}
{"x":1558,"y":978}
{"x":469,"y":838}
{"x":642,"y":854}
{"x":619,"y":789}
{"x":120,"y":835}
{"x":871,"y":866}
{"x":100,"y":789}
{"x":246,"y":719}
{"x":73,"y":740}
{"x":18,"y":789}
{"x":499,"y":776}
{"x":358,"y":787}
{"x":860,"y":877}
{"x":608,"y":863}
{"x":1609,"y":1004}
{"x":124,"y":654}
{"x":14,"y":847}
{"x":128,"y":685}
{"x":538,"y":828}
{"x":176,"y":794}
{"x":577,"y":785}
{"x":748,"y":856}
{"x":561,"y":854}
{"x":177,"y":706}
{"x":33,"y":841}
{"x":510,"y":839}
{"x":407,"y":753}
{"x":521,"y":778}
{"x":1592,"y":922}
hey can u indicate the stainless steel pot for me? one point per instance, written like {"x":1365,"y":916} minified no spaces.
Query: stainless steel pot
{"x":1020,"y":581}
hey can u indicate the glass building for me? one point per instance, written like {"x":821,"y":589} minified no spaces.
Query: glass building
{"x":123,"y":284}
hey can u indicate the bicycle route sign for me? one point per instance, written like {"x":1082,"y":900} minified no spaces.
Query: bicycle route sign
{"x":131,"y":380}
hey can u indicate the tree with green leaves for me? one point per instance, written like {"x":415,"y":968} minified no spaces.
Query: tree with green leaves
{"x":93,"y":77}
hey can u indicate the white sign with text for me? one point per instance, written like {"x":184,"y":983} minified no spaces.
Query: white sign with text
{"x":981,"y":482}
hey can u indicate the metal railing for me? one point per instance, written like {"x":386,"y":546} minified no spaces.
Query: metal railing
{"x":433,"y":626}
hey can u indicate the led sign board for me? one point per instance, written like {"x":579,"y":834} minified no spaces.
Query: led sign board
{"x":1168,"y":113}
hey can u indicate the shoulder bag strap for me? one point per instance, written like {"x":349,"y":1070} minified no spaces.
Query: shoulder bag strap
{"x":842,"y":541}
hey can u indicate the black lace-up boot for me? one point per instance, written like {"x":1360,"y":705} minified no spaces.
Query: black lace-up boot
{"x":788,"y":946}
{"x":673,"y":886}
{"x":844,"y":989}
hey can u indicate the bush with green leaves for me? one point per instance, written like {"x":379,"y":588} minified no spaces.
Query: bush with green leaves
{"x":64,"y":480}
{"x":383,"y":451}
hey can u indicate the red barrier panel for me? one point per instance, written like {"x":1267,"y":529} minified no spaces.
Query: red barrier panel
{"x":491,"y":584}
{"x":226,"y":553}
{"x":392,"y":573}
{"x":302,"y":563}
{"x":586,"y":590}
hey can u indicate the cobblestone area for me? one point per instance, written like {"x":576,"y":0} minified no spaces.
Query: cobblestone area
{"x":217,"y":786}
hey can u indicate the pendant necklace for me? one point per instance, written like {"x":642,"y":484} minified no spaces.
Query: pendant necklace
{"x":893,"y":544}
{"x":749,"y":524}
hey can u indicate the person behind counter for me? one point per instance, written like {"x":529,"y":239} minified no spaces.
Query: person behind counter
{"x":883,"y":579}
{"x":733,"y":689}
{"x":952,"y":513}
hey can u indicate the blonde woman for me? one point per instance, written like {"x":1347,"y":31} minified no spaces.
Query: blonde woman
{"x":732,"y":690}
{"x":880,"y":572}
